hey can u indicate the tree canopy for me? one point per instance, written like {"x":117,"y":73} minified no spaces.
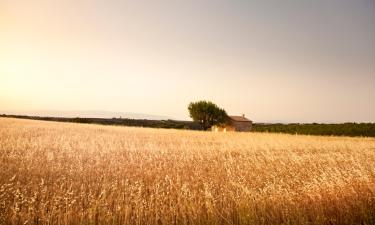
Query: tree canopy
{"x":207,"y":113}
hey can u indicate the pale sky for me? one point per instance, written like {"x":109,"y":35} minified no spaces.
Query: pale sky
{"x":294,"y":61}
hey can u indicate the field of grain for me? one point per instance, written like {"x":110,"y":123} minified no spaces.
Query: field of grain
{"x":65,"y":173}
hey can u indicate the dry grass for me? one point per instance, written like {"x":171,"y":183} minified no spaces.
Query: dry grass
{"x":60,"y":173}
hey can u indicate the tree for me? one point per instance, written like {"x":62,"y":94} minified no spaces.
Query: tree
{"x":207,"y":114}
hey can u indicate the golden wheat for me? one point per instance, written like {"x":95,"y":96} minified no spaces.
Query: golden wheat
{"x":62,"y":173}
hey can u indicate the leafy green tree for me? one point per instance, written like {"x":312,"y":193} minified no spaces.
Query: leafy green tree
{"x":207,"y":114}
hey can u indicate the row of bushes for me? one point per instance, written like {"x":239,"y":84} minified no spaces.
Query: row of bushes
{"x":173,"y":124}
{"x":343,"y":129}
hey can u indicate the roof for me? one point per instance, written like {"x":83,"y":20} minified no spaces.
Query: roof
{"x":239,"y":118}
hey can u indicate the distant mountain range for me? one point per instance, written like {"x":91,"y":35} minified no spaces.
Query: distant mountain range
{"x":86,"y":114}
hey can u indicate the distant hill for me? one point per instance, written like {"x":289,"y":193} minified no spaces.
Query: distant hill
{"x":338,"y":129}
{"x":86,"y":114}
{"x":173,"y":124}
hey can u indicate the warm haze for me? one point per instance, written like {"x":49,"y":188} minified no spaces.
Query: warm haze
{"x":187,"y":112}
{"x":296,"y":61}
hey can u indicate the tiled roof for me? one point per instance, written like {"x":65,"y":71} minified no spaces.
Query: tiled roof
{"x":239,"y":118}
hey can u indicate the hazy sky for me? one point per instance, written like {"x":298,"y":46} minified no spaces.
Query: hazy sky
{"x":296,"y":61}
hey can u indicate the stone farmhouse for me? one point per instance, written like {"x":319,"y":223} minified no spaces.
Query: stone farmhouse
{"x":235,"y":123}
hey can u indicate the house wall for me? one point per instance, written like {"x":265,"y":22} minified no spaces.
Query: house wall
{"x":233,"y":126}
{"x":226,"y":128}
{"x":241,"y":126}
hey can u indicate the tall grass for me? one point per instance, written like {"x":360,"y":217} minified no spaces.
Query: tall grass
{"x":57,"y":173}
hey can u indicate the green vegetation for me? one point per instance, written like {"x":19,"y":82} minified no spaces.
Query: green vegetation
{"x":173,"y":124}
{"x":207,"y":114}
{"x":343,"y":129}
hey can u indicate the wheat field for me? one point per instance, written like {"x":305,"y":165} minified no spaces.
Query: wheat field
{"x":65,"y":173}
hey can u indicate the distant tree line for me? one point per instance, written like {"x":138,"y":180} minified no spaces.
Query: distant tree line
{"x":172,"y":124}
{"x":343,"y":129}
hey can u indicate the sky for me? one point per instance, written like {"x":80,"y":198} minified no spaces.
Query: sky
{"x":289,"y":61}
